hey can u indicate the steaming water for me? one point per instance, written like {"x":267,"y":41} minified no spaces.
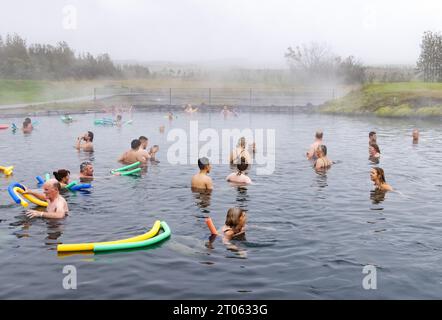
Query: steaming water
{"x":309,"y":235}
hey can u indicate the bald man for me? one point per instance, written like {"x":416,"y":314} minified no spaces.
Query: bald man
{"x":57,"y":207}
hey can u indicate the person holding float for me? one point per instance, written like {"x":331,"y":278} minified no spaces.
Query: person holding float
{"x":57,"y":206}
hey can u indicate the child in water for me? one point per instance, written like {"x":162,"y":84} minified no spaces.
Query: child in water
{"x":234,"y":227}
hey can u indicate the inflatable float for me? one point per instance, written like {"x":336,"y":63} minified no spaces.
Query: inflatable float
{"x":16,"y":191}
{"x":128,"y":170}
{"x":4,"y":126}
{"x":211,"y":226}
{"x":7,"y":170}
{"x":143,"y":240}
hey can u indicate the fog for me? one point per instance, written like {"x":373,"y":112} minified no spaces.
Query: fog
{"x":226,"y":32}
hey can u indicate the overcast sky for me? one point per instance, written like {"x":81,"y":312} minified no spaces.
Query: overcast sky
{"x":250,"y":31}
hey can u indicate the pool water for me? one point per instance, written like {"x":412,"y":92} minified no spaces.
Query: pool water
{"x":309,"y":235}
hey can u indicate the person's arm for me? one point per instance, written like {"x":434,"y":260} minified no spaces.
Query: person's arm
{"x":38,"y":195}
{"x":122,"y":157}
{"x":141,"y":159}
{"x":209,"y":184}
{"x":78,"y":144}
{"x":57,"y":214}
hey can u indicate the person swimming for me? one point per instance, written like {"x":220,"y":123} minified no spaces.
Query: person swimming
{"x":239,"y":152}
{"x":322,"y":162}
{"x":133,"y":155}
{"x":201,"y":181}
{"x":240,"y":176}
{"x":234,"y":227}
{"x":57,"y":206}
{"x":415,"y":136}
{"x":374,"y":152}
{"x":27,"y":126}
{"x":378,"y":177}
{"x":63,"y":177}
{"x":311,"y":153}
{"x":88,"y":139}
{"x":86,"y":171}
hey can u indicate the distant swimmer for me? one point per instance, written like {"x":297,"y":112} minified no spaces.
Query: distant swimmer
{"x":87,"y":145}
{"x":57,"y":206}
{"x":63,"y":177}
{"x":153,"y":151}
{"x":311,"y":153}
{"x":132,"y":155}
{"x":202,"y":181}
{"x":190,"y":109}
{"x":235,"y":225}
{"x":239,"y":152}
{"x":322,"y":162}
{"x":86,"y":171}
{"x":119,"y":120}
{"x":372,"y":138}
{"x":171,"y":116}
{"x":27,"y":126}
{"x":415,"y":136}
{"x":240,"y":176}
{"x":378,"y":177}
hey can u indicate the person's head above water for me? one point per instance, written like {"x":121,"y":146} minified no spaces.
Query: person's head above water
{"x":203,"y":164}
{"x":89,"y":136}
{"x":236,"y":218}
{"x":415,"y":135}
{"x":321,"y":151}
{"x":51,"y":189}
{"x":319,"y":134}
{"x":135,"y":144}
{"x":86,"y":169}
{"x":377,"y":175}
{"x":374,"y":149}
{"x":242,"y":142}
{"x":372,"y":137}
{"x":27,"y":122}
{"x":144,"y":141}
{"x":62,"y":175}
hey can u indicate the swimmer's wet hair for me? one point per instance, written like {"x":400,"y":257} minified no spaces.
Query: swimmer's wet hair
{"x":233,"y":216}
{"x":143,"y":138}
{"x":376,"y":147}
{"x":323,"y":149}
{"x":380,"y":173}
{"x":135,"y":144}
{"x":242,"y":166}
{"x":60,"y":174}
{"x":372,"y":133}
{"x":90,"y":134}
{"x":319,"y":134}
{"x":203,"y":163}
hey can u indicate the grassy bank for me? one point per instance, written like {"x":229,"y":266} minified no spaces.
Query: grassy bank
{"x":402,"y":99}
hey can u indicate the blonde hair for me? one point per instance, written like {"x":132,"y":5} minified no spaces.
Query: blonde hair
{"x":233,"y":216}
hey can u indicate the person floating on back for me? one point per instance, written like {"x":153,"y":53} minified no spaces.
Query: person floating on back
{"x":240,"y":176}
{"x":57,"y":206}
{"x":378,"y":177}
{"x":131,"y":156}
{"x":87,"y":145}
{"x":202,"y":181}
{"x":311,"y":153}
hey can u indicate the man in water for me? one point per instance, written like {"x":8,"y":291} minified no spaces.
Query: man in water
{"x":88,"y":137}
{"x":57,"y":207}
{"x":415,"y":136}
{"x":201,"y":181}
{"x":86,"y":171}
{"x":27,"y":126}
{"x":143,"y":147}
{"x":311,"y":153}
{"x":131,"y":156}
{"x":372,"y":138}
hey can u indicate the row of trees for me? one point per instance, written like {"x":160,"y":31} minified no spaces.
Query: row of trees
{"x":316,"y":62}
{"x":41,"y":61}
{"x":430,"y":59}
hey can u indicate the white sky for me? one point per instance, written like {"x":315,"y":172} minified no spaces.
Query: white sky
{"x":252,"y":32}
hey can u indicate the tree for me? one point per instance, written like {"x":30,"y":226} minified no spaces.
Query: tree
{"x":430,"y":59}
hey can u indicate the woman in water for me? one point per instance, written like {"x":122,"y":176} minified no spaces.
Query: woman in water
{"x":239,"y":152}
{"x":235,"y":224}
{"x":322,"y":162}
{"x":378,"y":177}
{"x":27,"y":126}
{"x":63,"y":177}
{"x":240,"y":176}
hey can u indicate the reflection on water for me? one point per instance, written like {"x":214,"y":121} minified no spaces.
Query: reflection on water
{"x":377,"y":196}
{"x":202,"y":199}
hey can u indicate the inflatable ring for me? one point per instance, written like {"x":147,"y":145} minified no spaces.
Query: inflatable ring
{"x":7,"y":170}
{"x":138,"y":244}
{"x":90,"y":246}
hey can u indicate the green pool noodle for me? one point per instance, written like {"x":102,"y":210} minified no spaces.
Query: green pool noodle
{"x":47,"y":176}
{"x":128,"y":173}
{"x":73,"y":183}
{"x":139,"y":244}
{"x":131,"y":166}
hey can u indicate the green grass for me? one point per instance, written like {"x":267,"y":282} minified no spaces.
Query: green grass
{"x":401,"y":99}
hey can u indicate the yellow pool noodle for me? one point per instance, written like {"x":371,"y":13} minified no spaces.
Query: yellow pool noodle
{"x":90,"y":246}
{"x":31,"y":198}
